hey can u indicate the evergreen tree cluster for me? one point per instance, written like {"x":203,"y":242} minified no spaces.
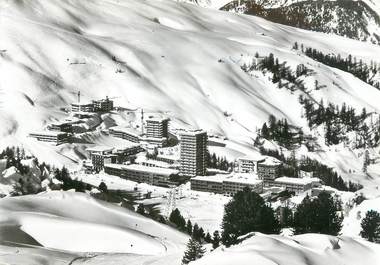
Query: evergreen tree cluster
{"x":338,"y":121}
{"x":13,"y":156}
{"x":371,"y":226}
{"x":194,"y":251}
{"x":221,"y":163}
{"x":281,"y":132}
{"x":349,"y":64}
{"x":247,"y":212}
{"x":150,"y":212}
{"x":195,"y":231}
{"x":283,"y":75}
{"x":345,"y":18}
{"x":292,"y":166}
{"x":318,"y":215}
{"x":68,"y":183}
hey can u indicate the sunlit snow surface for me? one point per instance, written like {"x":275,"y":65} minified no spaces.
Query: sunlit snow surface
{"x":167,"y":57}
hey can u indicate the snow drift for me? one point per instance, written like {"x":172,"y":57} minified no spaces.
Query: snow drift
{"x":69,"y":221}
{"x":308,"y":249}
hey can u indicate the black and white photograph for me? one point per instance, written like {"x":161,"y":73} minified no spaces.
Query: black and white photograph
{"x":200,"y":132}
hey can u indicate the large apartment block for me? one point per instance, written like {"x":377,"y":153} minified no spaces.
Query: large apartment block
{"x":157,"y":127}
{"x":103,"y":105}
{"x":269,"y":170}
{"x":193,"y":153}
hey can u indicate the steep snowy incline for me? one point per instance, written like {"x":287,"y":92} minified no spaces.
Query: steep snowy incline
{"x":160,"y":55}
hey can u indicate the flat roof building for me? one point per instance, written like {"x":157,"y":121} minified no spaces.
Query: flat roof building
{"x":157,"y":127}
{"x":82,"y":107}
{"x":100,"y":155}
{"x":237,"y":182}
{"x":227,"y":184}
{"x":126,"y":133}
{"x":268,"y":170}
{"x":103,"y":105}
{"x":297,"y":185}
{"x":61,"y":127}
{"x":51,"y":136}
{"x":248,"y":164}
{"x":139,"y":173}
{"x":193,"y":153}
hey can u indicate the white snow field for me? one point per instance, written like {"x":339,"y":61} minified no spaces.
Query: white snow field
{"x":311,"y":249}
{"x":160,"y":55}
{"x":72,"y":222}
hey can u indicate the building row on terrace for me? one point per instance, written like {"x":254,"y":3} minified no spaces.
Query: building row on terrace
{"x":297,"y":185}
{"x":61,"y":127}
{"x":139,"y":173}
{"x":156,"y":132}
{"x":101,"y":155}
{"x":101,"y":105}
{"x":226,"y":184}
{"x":54,"y":137}
{"x":231,"y":184}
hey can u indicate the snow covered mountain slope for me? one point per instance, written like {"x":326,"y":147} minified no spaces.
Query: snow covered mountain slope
{"x":206,"y":3}
{"x":76,"y":222}
{"x":80,"y":41}
{"x":160,"y":55}
{"x":352,"y":19}
{"x":311,"y":249}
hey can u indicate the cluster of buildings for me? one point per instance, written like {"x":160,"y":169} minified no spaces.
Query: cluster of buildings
{"x":163,"y":169}
{"x":101,"y":105}
{"x":156,"y":132}
{"x":61,"y":132}
{"x":256,"y":173}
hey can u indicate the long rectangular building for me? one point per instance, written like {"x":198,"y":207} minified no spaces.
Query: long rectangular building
{"x":51,"y":137}
{"x":82,"y":107}
{"x":226,"y":184}
{"x":139,"y":173}
{"x":126,"y":133}
{"x":297,"y":185}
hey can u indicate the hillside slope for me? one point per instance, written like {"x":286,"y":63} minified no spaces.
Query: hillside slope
{"x":352,"y":19}
{"x":311,"y":249}
{"x":80,"y":41}
{"x":75,"y":222}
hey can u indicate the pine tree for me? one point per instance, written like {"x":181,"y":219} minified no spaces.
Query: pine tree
{"x":189,"y":227}
{"x":208,"y":238}
{"x":319,"y":215}
{"x":140,"y":209}
{"x":371,"y":226}
{"x":216,"y":239}
{"x":366,"y":161}
{"x":103,"y":187}
{"x":265,"y":131}
{"x":193,"y":252}
{"x":196,"y":232}
{"x":247,"y":212}
{"x":177,"y":219}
